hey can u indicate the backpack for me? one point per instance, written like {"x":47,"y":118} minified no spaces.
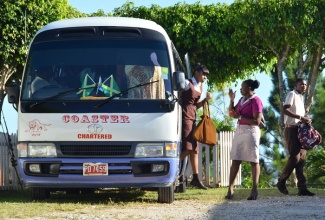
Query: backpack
{"x":308,"y":136}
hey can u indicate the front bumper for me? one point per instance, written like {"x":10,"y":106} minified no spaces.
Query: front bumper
{"x":122,"y":172}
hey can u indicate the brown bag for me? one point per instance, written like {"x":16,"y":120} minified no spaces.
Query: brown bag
{"x":205,"y":132}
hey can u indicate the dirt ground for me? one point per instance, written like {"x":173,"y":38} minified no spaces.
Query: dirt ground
{"x":282,"y":207}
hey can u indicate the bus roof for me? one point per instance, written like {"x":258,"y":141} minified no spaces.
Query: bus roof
{"x":105,"y":21}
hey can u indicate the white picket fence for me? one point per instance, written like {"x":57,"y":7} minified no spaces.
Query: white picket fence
{"x":214,"y":172}
{"x":8,"y":176}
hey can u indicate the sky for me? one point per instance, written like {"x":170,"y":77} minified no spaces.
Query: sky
{"x":90,"y":6}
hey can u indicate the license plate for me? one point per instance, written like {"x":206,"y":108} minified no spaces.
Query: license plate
{"x":95,"y":169}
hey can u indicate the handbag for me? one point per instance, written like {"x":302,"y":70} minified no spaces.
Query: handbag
{"x":308,"y":136}
{"x":205,"y":132}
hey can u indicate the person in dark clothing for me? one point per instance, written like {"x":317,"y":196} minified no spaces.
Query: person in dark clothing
{"x":294,"y":111}
{"x":190,"y":103}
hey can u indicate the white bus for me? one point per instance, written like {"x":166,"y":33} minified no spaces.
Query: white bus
{"x":97,"y":108}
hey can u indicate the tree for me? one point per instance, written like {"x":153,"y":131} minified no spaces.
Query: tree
{"x":246,"y":36}
{"x":292,"y":30}
{"x":287,"y":32}
{"x":315,"y":169}
{"x":99,"y":13}
{"x":203,"y":31}
{"x":233,"y":40}
{"x":19,"y":22}
{"x":317,"y":109}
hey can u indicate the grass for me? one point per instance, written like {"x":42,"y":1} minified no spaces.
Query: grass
{"x":18,"y":204}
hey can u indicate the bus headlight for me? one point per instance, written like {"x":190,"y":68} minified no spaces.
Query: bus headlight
{"x":156,"y":150}
{"x":171,"y":149}
{"x":149,"y":150}
{"x":22,"y":149}
{"x":41,"y":150}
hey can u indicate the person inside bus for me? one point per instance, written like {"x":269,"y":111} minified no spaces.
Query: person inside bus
{"x":147,"y":71}
{"x":190,"y":103}
{"x":43,"y":78}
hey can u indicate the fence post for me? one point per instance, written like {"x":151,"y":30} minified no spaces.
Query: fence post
{"x":200,"y":161}
{"x":207,"y":165}
{"x":215,"y":165}
{"x":220,"y":162}
{"x":8,"y":177}
{"x":2,"y":153}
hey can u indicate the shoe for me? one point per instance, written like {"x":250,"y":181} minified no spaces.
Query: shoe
{"x":305,"y":192}
{"x":198,"y":184}
{"x":229,"y":196}
{"x":282,"y":188}
{"x":181,"y":179}
{"x":253,"y":196}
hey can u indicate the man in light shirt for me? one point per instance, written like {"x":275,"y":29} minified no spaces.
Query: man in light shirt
{"x":294,"y":111}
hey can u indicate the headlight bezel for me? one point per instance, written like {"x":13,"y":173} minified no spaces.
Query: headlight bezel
{"x":156,"y":150}
{"x":41,"y":150}
{"x":143,"y":150}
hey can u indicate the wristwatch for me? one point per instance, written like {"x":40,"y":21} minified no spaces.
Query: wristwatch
{"x":239,"y":117}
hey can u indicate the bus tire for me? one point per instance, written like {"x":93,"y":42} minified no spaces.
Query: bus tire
{"x":40,"y":193}
{"x":88,"y":191}
{"x":166,"y":194}
{"x":72,"y":191}
{"x":181,"y":188}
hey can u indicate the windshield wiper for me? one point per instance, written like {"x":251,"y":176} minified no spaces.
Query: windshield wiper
{"x":60,"y":94}
{"x":122,"y":93}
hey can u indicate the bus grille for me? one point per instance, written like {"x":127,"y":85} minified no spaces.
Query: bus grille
{"x":95,"y":150}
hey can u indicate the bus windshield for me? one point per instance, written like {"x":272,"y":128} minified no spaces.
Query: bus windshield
{"x":97,"y":69}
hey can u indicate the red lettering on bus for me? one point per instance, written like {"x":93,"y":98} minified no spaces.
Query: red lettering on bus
{"x":124,"y":119}
{"x":66,"y":118}
{"x":114,"y":119}
{"x":85,"y":119}
{"x":75,"y":118}
{"x":104,"y":118}
{"x":94,"y":136}
{"x":94,"y":119}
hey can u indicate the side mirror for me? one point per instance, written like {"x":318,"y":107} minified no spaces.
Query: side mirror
{"x":178,"y":81}
{"x":12,"y":91}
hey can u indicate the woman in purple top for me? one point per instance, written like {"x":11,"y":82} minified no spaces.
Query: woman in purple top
{"x":247,"y":135}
